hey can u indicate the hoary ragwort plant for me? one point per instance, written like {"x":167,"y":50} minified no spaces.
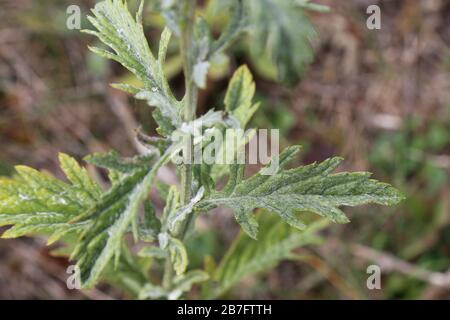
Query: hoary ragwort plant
{"x":94,"y":223}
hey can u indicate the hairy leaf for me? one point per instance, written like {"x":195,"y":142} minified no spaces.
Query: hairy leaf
{"x":310,"y":188}
{"x":113,"y":161}
{"x":239,"y":96}
{"x":202,"y":45}
{"x":37,"y":203}
{"x":234,"y":29}
{"x":181,"y":284}
{"x":169,"y":9}
{"x":281,"y":28}
{"x":113,"y":214}
{"x":125,"y":36}
{"x":150,"y":226}
{"x":152,"y":252}
{"x":177,"y":217}
{"x":239,"y":104}
{"x":172,"y":203}
{"x":130,"y":272}
{"x":246,"y":257}
{"x":178,"y":255}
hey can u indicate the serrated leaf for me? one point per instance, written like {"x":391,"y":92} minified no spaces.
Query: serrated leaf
{"x":155,"y":98}
{"x":281,"y":28}
{"x":169,"y":9}
{"x":165,"y":124}
{"x":239,"y":104}
{"x":113,"y":161}
{"x":153,"y":143}
{"x":202,"y":46}
{"x":130,"y":273}
{"x":246,"y":257}
{"x":35,"y":202}
{"x":79,"y":176}
{"x":309,"y":188}
{"x":125,"y":36}
{"x":164,"y":45}
{"x":150,"y":225}
{"x":200,"y":132}
{"x":202,"y":177}
{"x":233,"y":30}
{"x":113,"y":214}
{"x":208,"y":120}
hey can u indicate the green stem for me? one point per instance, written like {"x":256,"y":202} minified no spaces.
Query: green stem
{"x":168,"y":274}
{"x":187,"y":10}
{"x":190,"y":101}
{"x":187,"y":31}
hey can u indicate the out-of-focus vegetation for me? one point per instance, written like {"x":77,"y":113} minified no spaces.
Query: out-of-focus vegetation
{"x":379,"y":98}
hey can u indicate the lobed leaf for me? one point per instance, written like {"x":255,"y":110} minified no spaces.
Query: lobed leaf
{"x":235,"y":28}
{"x":130,"y":273}
{"x":246,"y":257}
{"x":112,"y":216}
{"x":239,"y":104}
{"x":37,"y":203}
{"x":181,"y":284}
{"x":309,"y":188}
{"x":150,"y":226}
{"x":124,"y":35}
{"x":202,"y":47}
{"x":113,"y":161}
{"x":281,"y":28}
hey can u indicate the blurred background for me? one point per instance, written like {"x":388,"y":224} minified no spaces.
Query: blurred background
{"x":380,"y":98}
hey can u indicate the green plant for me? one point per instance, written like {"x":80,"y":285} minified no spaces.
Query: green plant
{"x":94,"y":223}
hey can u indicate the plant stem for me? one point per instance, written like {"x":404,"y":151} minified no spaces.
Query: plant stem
{"x":168,"y":274}
{"x":190,"y":106}
{"x":187,"y":12}
{"x":187,"y":52}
